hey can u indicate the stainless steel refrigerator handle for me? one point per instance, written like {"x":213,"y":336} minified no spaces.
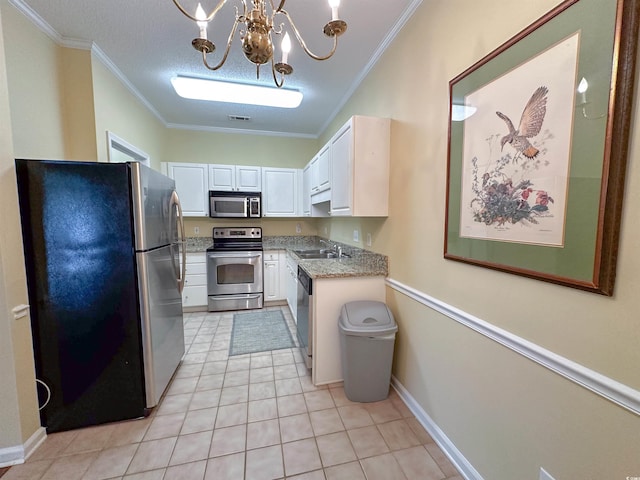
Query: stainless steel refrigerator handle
{"x":175,"y":200}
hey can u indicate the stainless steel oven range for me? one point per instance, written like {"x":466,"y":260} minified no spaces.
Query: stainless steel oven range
{"x":234,"y":269}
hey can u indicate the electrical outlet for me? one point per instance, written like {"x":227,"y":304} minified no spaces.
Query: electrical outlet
{"x":368,"y":239}
{"x":326,"y":230}
{"x":196,"y":230}
{"x":356,"y":235}
{"x":298,"y":228}
{"x":544,"y":475}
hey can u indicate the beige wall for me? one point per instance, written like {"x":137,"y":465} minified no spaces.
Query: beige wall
{"x":117,"y":110}
{"x":77,"y":104}
{"x":238,"y":149}
{"x":506,"y":414}
{"x":18,"y":404}
{"x":270,"y":226}
{"x":35,"y":83}
{"x":51,"y":93}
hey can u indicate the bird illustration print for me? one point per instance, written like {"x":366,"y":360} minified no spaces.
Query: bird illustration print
{"x":530,"y":124}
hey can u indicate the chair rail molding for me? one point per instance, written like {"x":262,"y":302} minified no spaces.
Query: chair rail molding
{"x":614,"y":391}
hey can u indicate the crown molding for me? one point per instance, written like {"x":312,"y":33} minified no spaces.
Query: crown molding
{"x":109,"y":65}
{"x":377,"y":55}
{"x":37,"y":20}
{"x":202,"y":128}
{"x":81,"y":44}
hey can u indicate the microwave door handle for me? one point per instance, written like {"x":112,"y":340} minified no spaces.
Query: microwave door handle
{"x":246,"y":207}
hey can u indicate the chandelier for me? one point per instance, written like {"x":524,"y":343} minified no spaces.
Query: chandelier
{"x":259,"y":23}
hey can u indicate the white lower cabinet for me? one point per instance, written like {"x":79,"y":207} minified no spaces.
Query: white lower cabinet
{"x":291,"y":272}
{"x":273,"y":285}
{"x":329,"y":295}
{"x":194,"y":294}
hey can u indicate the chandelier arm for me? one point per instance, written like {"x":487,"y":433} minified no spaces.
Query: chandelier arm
{"x":209,"y":17}
{"x":275,"y":78}
{"x":243,"y":17}
{"x":304,"y":45}
{"x":278,"y":30}
{"x":226,"y":51}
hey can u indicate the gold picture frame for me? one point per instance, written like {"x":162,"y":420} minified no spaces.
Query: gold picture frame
{"x":538,"y":144}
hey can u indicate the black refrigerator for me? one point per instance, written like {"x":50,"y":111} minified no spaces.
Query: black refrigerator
{"x":104,"y":257}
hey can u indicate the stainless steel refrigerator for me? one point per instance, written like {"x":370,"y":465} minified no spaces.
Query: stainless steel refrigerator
{"x":104,"y":256}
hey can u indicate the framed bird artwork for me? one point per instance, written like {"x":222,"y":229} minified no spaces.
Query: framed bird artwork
{"x":538,"y":140}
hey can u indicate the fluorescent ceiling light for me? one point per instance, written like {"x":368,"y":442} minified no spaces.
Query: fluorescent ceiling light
{"x":461,"y":112}
{"x":214,"y":91}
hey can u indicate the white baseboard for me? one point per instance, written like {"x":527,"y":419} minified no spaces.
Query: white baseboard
{"x":19,"y":453}
{"x":606,"y":387}
{"x":446,"y":445}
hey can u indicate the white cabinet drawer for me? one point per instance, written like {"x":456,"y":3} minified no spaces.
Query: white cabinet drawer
{"x":195,"y":280}
{"x":197,"y":257}
{"x":196,"y":269}
{"x":194,"y":296}
{"x":271,"y":256}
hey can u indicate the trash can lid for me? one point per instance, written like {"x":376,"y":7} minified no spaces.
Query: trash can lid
{"x":367,"y":318}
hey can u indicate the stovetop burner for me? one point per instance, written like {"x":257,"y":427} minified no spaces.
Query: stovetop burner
{"x":233,"y":239}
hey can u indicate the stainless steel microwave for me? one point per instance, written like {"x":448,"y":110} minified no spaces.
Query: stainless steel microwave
{"x":235,"y":204}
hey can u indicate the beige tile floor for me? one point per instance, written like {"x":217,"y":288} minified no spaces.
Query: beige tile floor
{"x":249,"y":417}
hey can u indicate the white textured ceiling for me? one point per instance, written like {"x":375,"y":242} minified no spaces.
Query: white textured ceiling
{"x":149,"y":41}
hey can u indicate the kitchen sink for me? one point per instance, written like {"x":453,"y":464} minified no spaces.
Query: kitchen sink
{"x":315,"y":254}
{"x":318,"y":254}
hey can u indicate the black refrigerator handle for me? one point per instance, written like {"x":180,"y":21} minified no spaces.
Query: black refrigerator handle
{"x":175,"y":201}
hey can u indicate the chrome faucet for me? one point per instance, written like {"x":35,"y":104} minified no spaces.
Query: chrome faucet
{"x":328,"y":244}
{"x":334,"y":247}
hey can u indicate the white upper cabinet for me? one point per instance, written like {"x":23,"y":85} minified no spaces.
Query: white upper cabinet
{"x":321,"y":170}
{"x":280,"y":192}
{"x":306,"y":191}
{"x":235,"y":178}
{"x":192,"y":187}
{"x":359,"y":173}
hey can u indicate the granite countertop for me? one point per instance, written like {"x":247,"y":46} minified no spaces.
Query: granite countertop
{"x":360,"y":263}
{"x":198,"y":244}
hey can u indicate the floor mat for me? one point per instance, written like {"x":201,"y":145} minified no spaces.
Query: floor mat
{"x":259,"y":332}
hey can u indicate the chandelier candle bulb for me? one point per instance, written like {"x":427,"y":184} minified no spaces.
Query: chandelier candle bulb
{"x":334,"y":4}
{"x":202,"y":23}
{"x":286,"y":47}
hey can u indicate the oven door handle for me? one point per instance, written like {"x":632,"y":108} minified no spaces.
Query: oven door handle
{"x":233,"y":255}
{"x":240,"y":296}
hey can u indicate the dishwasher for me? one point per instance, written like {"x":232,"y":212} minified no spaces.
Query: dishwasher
{"x":304,"y":326}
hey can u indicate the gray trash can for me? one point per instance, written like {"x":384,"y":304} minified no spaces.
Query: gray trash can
{"x":367,"y":334}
